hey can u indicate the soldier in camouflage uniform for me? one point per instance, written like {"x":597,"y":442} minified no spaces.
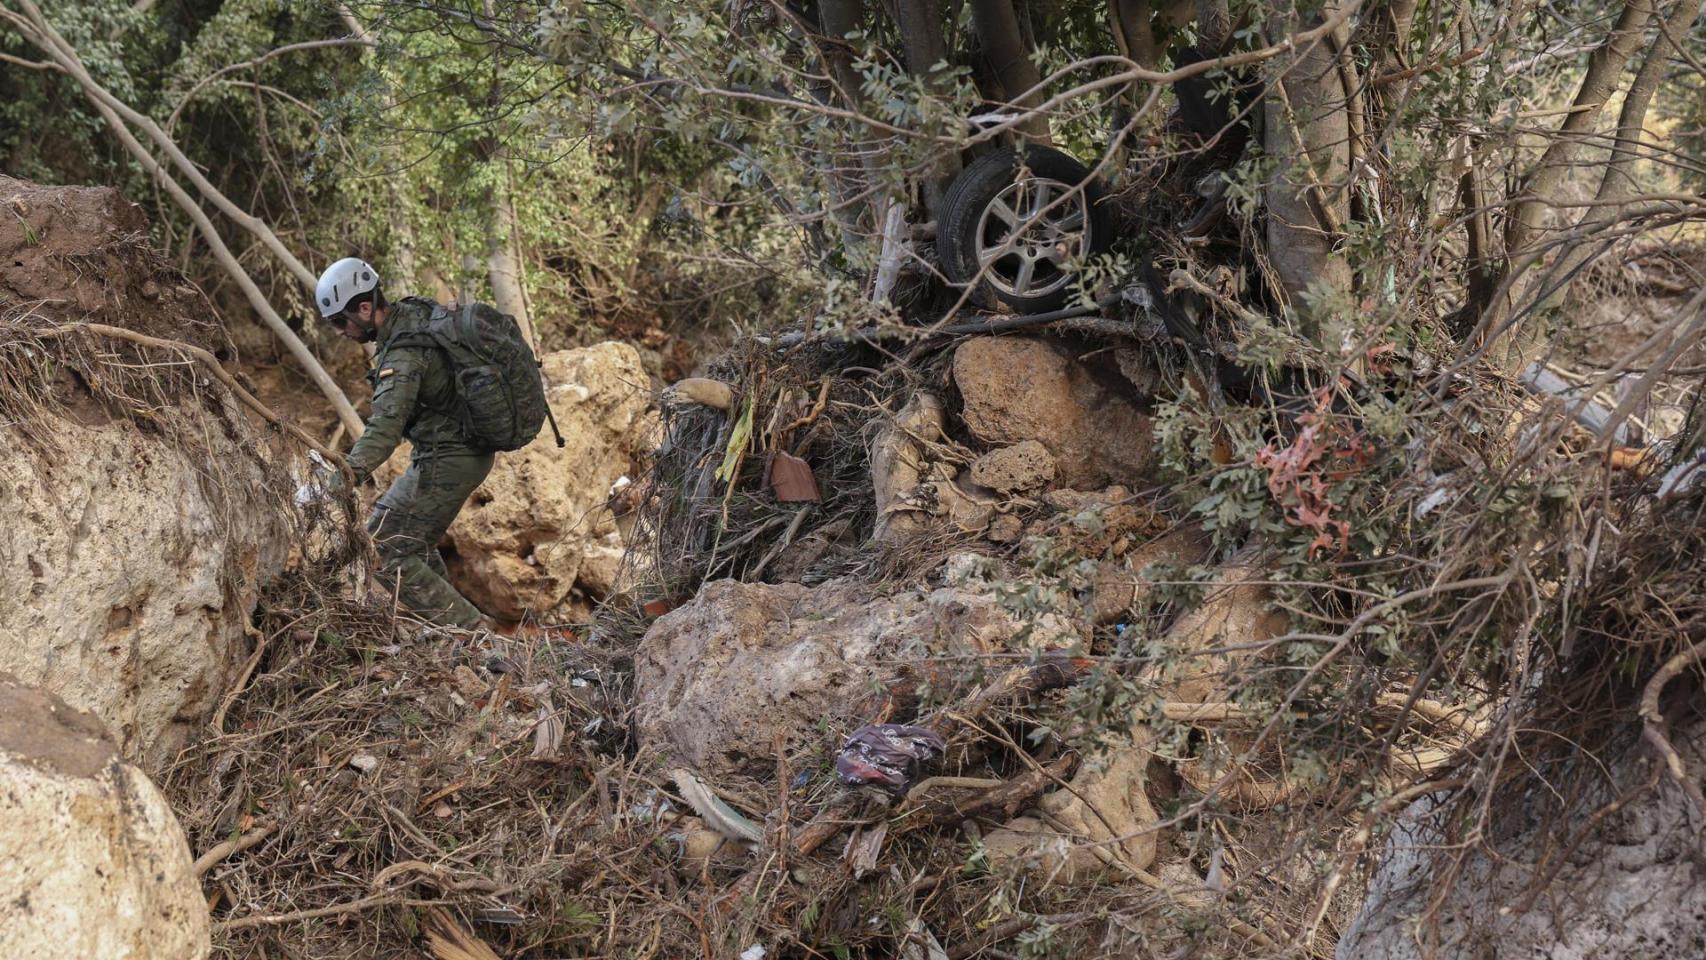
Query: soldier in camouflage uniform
{"x":413,"y":396}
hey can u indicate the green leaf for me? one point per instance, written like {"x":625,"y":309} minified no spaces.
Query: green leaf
{"x":739,"y":440}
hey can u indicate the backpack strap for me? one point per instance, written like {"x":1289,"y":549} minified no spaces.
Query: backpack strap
{"x":467,"y":334}
{"x":439,"y":327}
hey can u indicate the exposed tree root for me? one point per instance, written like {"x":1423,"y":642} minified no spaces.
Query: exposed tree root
{"x":206,"y":861}
{"x":1653,"y":727}
{"x":207,"y":360}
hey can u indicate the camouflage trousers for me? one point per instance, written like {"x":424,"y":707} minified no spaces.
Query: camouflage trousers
{"x":407,"y":523}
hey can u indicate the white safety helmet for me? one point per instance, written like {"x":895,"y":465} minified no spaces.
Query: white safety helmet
{"x":342,"y":282}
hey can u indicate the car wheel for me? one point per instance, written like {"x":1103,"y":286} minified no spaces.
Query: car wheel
{"x":1022,"y":226}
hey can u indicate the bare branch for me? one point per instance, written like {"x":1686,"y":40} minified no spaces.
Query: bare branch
{"x":309,"y":363}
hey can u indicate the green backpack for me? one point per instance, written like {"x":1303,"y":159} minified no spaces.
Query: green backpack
{"x":499,"y":392}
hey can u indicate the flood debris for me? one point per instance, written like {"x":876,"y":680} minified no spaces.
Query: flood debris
{"x":887,"y":756}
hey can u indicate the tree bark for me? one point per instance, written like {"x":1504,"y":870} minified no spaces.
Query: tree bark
{"x":1617,"y":182}
{"x":406,"y":268}
{"x":1541,"y":187}
{"x":1133,"y":32}
{"x":998,"y":34}
{"x":836,"y":19}
{"x":503,"y":264}
{"x":1214,"y":26}
{"x":1600,"y":82}
{"x":1306,"y":131}
{"x":920,"y":23}
{"x":1397,"y":20}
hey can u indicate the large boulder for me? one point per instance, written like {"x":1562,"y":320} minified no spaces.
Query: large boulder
{"x":92,"y":862}
{"x":539,"y":525}
{"x":1017,"y":389}
{"x":140,"y":520}
{"x":134,"y":574}
{"x":720,"y":679}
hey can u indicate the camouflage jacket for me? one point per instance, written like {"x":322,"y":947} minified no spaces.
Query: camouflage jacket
{"x":413,"y":396}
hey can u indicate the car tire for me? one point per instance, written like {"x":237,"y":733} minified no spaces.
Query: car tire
{"x":988,"y":203}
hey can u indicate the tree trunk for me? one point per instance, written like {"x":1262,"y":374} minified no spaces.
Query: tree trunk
{"x":836,"y":19}
{"x":998,"y":34}
{"x":1306,"y":131}
{"x":503,"y":264}
{"x":1605,"y":67}
{"x":1393,"y":33}
{"x":1618,"y":180}
{"x":1541,"y":187}
{"x":1133,"y":32}
{"x":404,"y":268}
{"x":920,"y":23}
{"x":1214,"y":26}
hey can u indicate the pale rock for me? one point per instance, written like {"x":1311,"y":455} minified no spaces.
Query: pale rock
{"x":1108,"y":799}
{"x":1024,"y":466}
{"x":1017,"y":388}
{"x":133,"y":567}
{"x":138,"y":532}
{"x":92,"y":861}
{"x":1006,"y":528}
{"x":1121,"y":585}
{"x":966,"y":506}
{"x":601,"y":565}
{"x":720,"y":679}
{"x":540,"y":524}
{"x":898,"y":467}
{"x":1106,"y":808}
{"x":1075,"y":501}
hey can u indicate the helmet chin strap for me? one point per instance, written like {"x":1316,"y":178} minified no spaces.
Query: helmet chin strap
{"x":368,"y":330}
{"x":364,"y":332}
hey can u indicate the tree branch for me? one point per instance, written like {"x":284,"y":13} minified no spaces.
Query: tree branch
{"x":172,"y":119}
{"x":62,"y":51}
{"x":39,"y":33}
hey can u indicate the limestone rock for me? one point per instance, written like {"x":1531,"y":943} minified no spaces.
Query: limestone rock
{"x":1006,"y":528}
{"x":92,"y":862}
{"x":1120,"y":584}
{"x":1075,"y":501}
{"x":135,"y":541}
{"x":720,"y":678}
{"x":1109,"y":797}
{"x":1023,"y":466}
{"x":1107,"y":804}
{"x":1018,"y":389}
{"x":966,"y":506}
{"x":134,"y":568}
{"x":539,"y":524}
